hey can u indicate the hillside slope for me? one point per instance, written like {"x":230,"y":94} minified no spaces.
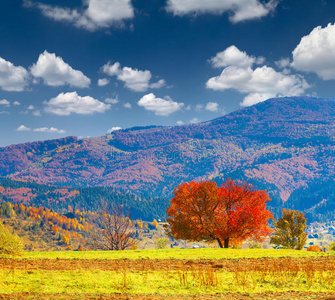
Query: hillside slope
{"x":283,"y":144}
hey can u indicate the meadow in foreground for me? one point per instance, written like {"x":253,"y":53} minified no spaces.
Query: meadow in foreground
{"x":205,"y":253}
{"x":183,"y":273}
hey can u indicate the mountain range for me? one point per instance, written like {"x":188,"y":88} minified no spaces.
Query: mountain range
{"x":285,"y":145}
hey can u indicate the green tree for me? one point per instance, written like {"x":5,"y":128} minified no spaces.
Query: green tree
{"x":6,"y":209}
{"x":9,"y":243}
{"x":290,"y":230}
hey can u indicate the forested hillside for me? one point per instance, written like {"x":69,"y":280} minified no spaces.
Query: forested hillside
{"x":60,"y":198}
{"x":285,"y":145}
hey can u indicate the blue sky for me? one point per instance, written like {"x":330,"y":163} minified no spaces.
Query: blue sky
{"x":87,"y":67}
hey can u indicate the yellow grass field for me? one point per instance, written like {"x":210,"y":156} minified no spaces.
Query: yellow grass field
{"x":169,"y":274}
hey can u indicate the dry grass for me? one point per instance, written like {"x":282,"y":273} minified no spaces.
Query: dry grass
{"x":312,"y":277}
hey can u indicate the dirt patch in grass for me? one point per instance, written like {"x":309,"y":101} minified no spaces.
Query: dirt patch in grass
{"x":235,"y":296}
{"x":248,"y":264}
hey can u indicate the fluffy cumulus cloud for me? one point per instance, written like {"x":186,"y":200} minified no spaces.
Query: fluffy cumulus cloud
{"x":12,"y":78}
{"x":17,"y":103}
{"x":283,"y":63}
{"x":5,"y":102}
{"x":127,"y":105}
{"x":55,"y":72}
{"x":49,"y":130}
{"x":239,"y":10}
{"x":212,"y":106}
{"x":23,"y":128}
{"x":157,"y":85}
{"x":232,"y":56}
{"x":259,"y":83}
{"x":316,"y":53}
{"x":103,"y":82}
{"x":106,"y":12}
{"x":133,"y":79}
{"x":109,"y":131}
{"x":161,"y":107}
{"x":71,"y":103}
{"x":94,"y":15}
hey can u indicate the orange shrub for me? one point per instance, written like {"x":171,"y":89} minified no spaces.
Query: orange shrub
{"x":314,"y":248}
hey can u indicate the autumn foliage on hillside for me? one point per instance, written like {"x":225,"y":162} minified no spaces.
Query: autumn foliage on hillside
{"x":66,"y":228}
{"x":232,"y":212}
{"x":71,"y":229}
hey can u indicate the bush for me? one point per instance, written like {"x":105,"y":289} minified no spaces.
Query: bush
{"x":332,"y":246}
{"x":255,"y":245}
{"x":161,"y":243}
{"x":236,"y":246}
{"x":9,"y":243}
{"x":314,"y":248}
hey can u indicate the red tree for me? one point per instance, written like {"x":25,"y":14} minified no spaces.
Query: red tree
{"x":233,"y":212}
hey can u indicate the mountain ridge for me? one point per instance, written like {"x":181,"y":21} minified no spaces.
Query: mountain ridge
{"x":282,"y":144}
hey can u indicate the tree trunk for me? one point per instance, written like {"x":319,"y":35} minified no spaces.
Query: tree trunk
{"x":220,"y":243}
{"x":226,"y":243}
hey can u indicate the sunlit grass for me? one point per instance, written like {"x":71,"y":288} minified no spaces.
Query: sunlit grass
{"x":174,"y":277}
{"x":207,"y":253}
{"x":155,"y":282}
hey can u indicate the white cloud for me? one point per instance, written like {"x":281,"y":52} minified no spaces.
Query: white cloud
{"x":4,"y":112}
{"x":232,"y":56}
{"x":37,"y":113}
{"x":5,"y":102}
{"x":95,"y":15}
{"x":212,"y":106}
{"x":109,"y":131}
{"x":283,"y":63}
{"x":106,"y":12}
{"x":23,"y":128}
{"x":260,"y":83}
{"x":111,"y":70}
{"x":239,"y":10}
{"x":157,"y":85}
{"x":316,"y":53}
{"x":67,"y":103}
{"x":55,"y":72}
{"x":12,"y":78}
{"x":133,"y":79}
{"x":103,"y":82}
{"x":254,"y":98}
{"x":160,"y":107}
{"x":31,"y":107}
{"x":179,"y":123}
{"x":194,"y":121}
{"x":49,"y":130}
{"x":17,"y":103}
{"x":127,"y":105}
{"x":199,"y":107}
{"x":112,"y":100}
